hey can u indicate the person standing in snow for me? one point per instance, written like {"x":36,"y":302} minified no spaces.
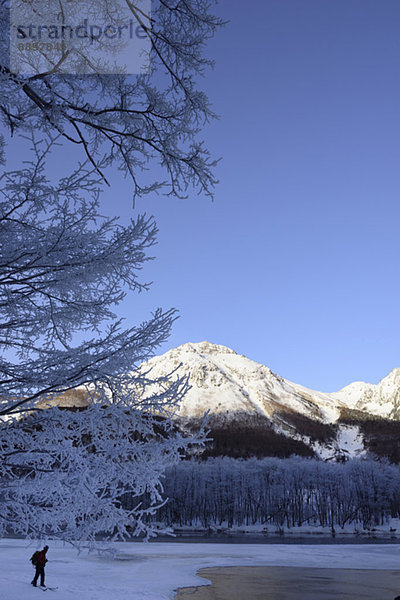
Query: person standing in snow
{"x":40,"y":564}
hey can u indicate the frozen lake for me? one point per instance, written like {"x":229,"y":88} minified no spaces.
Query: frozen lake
{"x":156,"y":571}
{"x":313,"y":539}
{"x":286,"y":583}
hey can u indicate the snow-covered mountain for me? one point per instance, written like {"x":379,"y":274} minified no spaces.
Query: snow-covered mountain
{"x":236,"y":390}
{"x":226,"y":384}
{"x":257,"y":412}
{"x":382,"y":399}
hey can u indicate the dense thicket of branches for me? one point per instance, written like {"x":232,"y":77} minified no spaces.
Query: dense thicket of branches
{"x":63,"y":268}
{"x":281,"y":493}
{"x":126,"y":120}
{"x":65,"y":473}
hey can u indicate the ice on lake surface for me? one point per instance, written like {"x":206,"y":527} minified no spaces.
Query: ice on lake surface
{"x":286,"y":583}
{"x":156,"y":571}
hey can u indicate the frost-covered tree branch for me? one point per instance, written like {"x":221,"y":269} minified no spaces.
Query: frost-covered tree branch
{"x":70,"y":475}
{"x":63,"y":268}
{"x":153,"y":118}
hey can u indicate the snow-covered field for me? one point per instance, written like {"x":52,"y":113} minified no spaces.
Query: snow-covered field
{"x":155,"y":571}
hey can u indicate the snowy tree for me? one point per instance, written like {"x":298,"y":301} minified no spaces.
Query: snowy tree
{"x":62,"y":269}
{"x":75,"y":475}
{"x":281,"y":493}
{"x":152,"y":117}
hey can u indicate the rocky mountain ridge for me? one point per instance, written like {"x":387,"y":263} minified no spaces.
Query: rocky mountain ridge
{"x":246,"y":399}
{"x":252,"y":411}
{"x":381,"y":399}
{"x":225,"y":383}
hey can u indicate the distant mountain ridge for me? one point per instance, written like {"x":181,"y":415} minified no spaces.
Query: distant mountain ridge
{"x":254,"y":411}
{"x":382,"y":399}
{"x":225,"y":382}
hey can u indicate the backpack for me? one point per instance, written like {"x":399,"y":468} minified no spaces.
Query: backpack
{"x":34,"y":557}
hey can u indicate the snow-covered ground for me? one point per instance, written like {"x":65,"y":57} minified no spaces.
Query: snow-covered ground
{"x":349,"y":443}
{"x":155,"y":571}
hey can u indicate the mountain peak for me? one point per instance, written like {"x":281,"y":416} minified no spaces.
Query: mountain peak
{"x":381,"y":399}
{"x":394,"y":375}
{"x":226,"y":383}
{"x":205,"y":348}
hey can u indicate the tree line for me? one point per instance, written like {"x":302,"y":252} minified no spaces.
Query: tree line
{"x":227,"y":492}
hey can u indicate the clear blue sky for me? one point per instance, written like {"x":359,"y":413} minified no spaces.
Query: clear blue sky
{"x":296,"y":263}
